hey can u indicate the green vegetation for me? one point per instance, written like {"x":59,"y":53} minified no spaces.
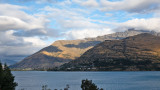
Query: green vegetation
{"x":6,"y":78}
{"x":88,"y":85}
{"x":45,"y":87}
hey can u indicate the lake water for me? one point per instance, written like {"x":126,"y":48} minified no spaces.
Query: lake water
{"x":33,"y":80}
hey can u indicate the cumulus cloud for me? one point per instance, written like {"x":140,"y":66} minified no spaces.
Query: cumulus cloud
{"x":151,"y":24}
{"x":17,"y":53}
{"x":11,"y":45}
{"x":6,"y":38}
{"x":20,"y":33}
{"x":15,"y":48}
{"x":13,"y":18}
{"x":7,"y":23}
{"x":35,"y":41}
{"x":81,"y":34}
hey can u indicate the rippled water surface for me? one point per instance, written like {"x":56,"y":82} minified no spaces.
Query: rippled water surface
{"x":33,"y":80}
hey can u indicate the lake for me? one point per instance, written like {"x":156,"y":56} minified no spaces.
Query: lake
{"x":33,"y":80}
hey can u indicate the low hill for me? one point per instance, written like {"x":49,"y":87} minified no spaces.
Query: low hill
{"x":140,"y":52}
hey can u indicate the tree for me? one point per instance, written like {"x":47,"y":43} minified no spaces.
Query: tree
{"x":7,"y":79}
{"x":45,"y":87}
{"x":67,"y":87}
{"x":88,"y":85}
{"x":1,"y":70}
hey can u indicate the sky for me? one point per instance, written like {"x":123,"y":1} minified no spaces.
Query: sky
{"x":27,"y":26}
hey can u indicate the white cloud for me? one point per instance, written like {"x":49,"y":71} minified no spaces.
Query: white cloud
{"x":69,"y":18}
{"x":6,"y":38}
{"x":18,"y":50}
{"x":12,"y":17}
{"x":46,"y":1}
{"x":86,"y":33}
{"x":20,"y":33}
{"x":64,"y":13}
{"x":87,"y":3}
{"x":8,"y":23}
{"x":138,"y":6}
{"x":15,"y":48}
{"x":36,"y":41}
{"x":108,"y":14}
{"x":15,"y":11}
{"x":76,"y":21}
{"x":142,"y":24}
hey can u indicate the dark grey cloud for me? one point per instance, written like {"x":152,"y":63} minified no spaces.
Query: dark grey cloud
{"x":29,"y":33}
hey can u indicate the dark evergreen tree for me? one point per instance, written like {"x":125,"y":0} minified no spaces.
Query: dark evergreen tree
{"x":7,"y":79}
{"x":88,"y":85}
{"x":1,"y":70}
{"x":45,"y":87}
{"x":67,"y":87}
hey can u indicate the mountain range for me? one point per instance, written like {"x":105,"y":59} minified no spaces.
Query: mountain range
{"x":64,"y":51}
{"x":136,"y":53}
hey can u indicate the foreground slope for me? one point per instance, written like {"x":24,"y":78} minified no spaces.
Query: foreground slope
{"x":63,"y":51}
{"x":140,"y":52}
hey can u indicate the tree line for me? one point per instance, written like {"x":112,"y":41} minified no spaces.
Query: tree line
{"x":6,"y":78}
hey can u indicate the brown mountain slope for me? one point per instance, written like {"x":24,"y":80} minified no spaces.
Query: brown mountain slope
{"x":140,"y":52}
{"x":58,"y":53}
{"x":63,"y":51}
